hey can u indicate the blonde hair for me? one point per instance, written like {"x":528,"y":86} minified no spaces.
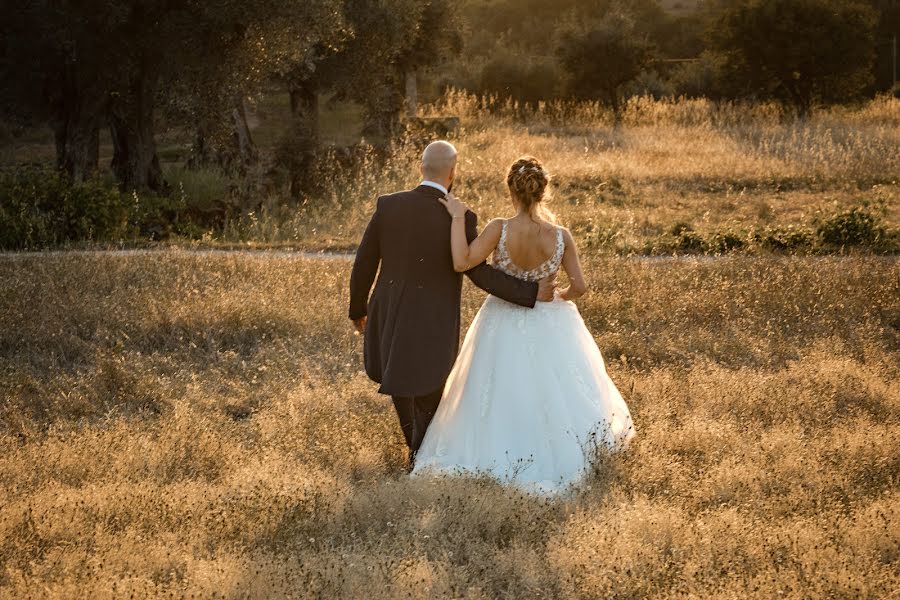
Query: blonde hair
{"x":528,"y":180}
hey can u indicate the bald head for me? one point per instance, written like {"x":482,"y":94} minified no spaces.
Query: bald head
{"x":439,"y":162}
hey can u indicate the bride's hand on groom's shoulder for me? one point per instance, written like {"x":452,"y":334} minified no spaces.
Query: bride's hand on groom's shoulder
{"x":454,"y":205}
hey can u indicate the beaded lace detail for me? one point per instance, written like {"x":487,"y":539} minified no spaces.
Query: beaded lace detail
{"x":503,"y":262}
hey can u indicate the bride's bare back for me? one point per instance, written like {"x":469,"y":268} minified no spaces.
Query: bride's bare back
{"x":530,"y":243}
{"x":526,"y":246}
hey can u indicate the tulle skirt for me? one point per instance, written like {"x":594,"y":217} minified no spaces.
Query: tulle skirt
{"x":528,"y":401}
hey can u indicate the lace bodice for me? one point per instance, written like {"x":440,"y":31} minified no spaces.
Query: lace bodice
{"x":502,"y":261}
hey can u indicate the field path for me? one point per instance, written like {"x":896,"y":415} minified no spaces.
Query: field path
{"x":196,"y":252}
{"x":340,"y":256}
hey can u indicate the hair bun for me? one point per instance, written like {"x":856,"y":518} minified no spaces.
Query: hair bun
{"x":528,"y":181}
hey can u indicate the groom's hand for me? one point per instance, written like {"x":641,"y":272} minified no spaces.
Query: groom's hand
{"x":546,"y":288}
{"x":360,"y":325}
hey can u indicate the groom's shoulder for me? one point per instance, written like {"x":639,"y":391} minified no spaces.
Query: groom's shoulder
{"x":395,"y":199}
{"x":395,"y":196}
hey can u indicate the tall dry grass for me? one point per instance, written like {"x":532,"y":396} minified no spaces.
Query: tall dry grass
{"x":178,"y":425}
{"x":712,"y":165}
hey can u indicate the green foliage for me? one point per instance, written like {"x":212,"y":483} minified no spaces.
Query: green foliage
{"x":858,"y":227}
{"x":193,"y":58}
{"x":155,"y":217}
{"x":789,"y":238}
{"x":388,"y":40}
{"x":801,"y":52}
{"x":295,"y":152}
{"x":600,"y":61}
{"x":722,"y":242}
{"x":206,"y":189}
{"x":689,"y":241}
{"x":508,"y":75}
{"x":679,"y":227}
{"x":701,"y":78}
{"x":201,"y":201}
{"x":40,"y":208}
{"x":855,"y":227}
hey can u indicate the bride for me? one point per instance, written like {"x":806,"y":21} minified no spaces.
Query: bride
{"x":528,"y":398}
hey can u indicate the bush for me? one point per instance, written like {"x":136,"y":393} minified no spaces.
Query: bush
{"x":648,"y":83}
{"x":855,"y":227}
{"x":156,"y":217}
{"x":526,"y":80}
{"x":721,"y":242}
{"x":698,"y":79}
{"x":202,"y":199}
{"x":40,"y":208}
{"x":689,"y":241}
{"x":789,"y":238}
{"x":295,"y":153}
{"x":680,"y":227}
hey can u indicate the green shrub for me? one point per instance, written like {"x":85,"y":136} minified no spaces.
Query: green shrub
{"x":295,"y":154}
{"x":155,"y":217}
{"x":679,"y":227}
{"x":855,"y":227}
{"x":700,"y":78}
{"x":509,"y":76}
{"x":790,"y":238}
{"x":690,"y":241}
{"x":202,"y":199}
{"x":41,"y":208}
{"x":721,"y":242}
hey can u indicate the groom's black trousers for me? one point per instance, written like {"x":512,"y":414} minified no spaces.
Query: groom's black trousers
{"x":415,"y":415}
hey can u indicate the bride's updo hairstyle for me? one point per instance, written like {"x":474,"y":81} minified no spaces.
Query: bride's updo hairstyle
{"x":527,"y":180}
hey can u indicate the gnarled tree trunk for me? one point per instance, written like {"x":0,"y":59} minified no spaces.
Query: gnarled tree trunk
{"x":305,"y":105}
{"x":78,"y":146}
{"x":131,"y":126}
{"x":383,"y":110}
{"x":243,"y":141}
{"x":76,"y":127}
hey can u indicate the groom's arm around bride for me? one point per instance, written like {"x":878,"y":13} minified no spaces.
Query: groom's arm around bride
{"x":411,"y":321}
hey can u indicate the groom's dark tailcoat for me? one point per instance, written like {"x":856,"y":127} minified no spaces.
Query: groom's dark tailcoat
{"x":412,"y":333}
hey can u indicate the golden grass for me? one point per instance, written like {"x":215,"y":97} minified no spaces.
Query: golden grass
{"x":713,"y":166}
{"x":178,"y":425}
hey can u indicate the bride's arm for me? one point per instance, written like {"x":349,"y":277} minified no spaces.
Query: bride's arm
{"x":577,"y":286}
{"x":466,"y":255}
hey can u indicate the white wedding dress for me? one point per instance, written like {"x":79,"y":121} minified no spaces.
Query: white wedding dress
{"x":528,"y":399}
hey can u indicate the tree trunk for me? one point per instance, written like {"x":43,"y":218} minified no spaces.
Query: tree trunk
{"x":305,"y":105}
{"x":412,"y":95}
{"x":384,"y":106}
{"x":131,"y":127}
{"x":243,"y":141}
{"x":77,"y":128}
{"x":201,"y":150}
{"x":616,"y":104}
{"x":78,"y":147}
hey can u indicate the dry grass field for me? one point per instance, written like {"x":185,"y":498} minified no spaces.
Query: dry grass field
{"x":198,"y":425}
{"x":183,"y":425}
{"x":717,"y":168}
{"x":721,"y":170}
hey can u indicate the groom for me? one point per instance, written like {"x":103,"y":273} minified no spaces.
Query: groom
{"x":411,"y":322}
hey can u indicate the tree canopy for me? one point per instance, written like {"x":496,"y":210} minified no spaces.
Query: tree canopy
{"x":800,"y":52}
